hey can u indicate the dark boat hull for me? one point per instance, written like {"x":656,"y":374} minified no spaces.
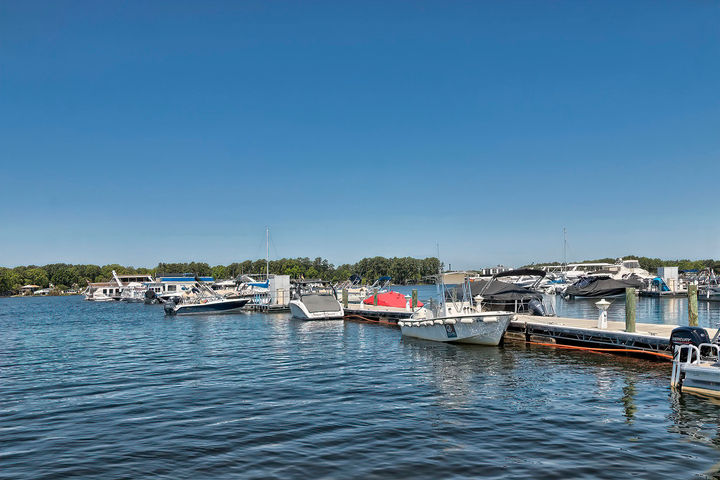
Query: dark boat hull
{"x":229,"y":306}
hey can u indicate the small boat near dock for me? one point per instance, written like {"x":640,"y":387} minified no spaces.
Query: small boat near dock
{"x":696,"y":361}
{"x":315,"y":300}
{"x":456,"y":321}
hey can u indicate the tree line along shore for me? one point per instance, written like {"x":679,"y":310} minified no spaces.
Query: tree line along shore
{"x":65,"y":276}
{"x":403,"y":270}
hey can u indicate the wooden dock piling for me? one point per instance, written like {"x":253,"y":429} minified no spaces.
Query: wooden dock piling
{"x":693,"y":305}
{"x":414,"y":299}
{"x":345,"y":298}
{"x":630,"y":304}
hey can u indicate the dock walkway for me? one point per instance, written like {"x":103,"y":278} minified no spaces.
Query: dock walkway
{"x":377,"y":312}
{"x":648,"y":337}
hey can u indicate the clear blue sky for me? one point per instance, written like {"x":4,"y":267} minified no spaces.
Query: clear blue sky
{"x":138,"y":132}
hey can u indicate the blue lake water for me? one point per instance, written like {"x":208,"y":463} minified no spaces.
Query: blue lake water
{"x":120,"y":391}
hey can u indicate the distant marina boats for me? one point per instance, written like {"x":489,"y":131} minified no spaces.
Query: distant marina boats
{"x":495,"y":294}
{"x":315,"y":300}
{"x":109,"y":291}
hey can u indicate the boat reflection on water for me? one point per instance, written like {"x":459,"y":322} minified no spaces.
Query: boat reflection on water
{"x":695,"y":416}
{"x":457,"y":371}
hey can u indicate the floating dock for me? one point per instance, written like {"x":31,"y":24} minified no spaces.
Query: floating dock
{"x":376,"y":313}
{"x":652,"y":339}
{"x":274,"y":308}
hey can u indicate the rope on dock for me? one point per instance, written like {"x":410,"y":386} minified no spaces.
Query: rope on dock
{"x":574,"y":347}
{"x":369,"y":320}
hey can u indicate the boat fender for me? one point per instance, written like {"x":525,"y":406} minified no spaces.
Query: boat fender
{"x":401,"y":324}
{"x":466,"y":320}
{"x":450,"y":321}
{"x":438,"y":322}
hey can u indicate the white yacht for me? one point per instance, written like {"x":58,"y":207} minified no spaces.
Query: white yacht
{"x":315,"y":300}
{"x":624,"y":269}
{"x":108,"y":291}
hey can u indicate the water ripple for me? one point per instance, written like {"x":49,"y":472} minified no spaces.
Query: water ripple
{"x":118,"y":390}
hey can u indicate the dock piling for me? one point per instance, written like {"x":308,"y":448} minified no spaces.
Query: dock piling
{"x":414,"y":299}
{"x":375,"y":299}
{"x":630,"y":303}
{"x":693,"y":305}
{"x":345,"y":298}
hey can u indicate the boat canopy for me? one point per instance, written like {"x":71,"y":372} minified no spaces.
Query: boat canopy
{"x":496,"y":291}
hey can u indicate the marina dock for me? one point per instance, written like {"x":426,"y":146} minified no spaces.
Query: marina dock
{"x":648,"y":338}
{"x":377,"y":313}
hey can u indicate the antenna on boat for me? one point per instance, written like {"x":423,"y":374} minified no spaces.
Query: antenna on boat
{"x":442,"y":281}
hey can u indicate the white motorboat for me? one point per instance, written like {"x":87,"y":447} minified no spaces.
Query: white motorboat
{"x":204,"y":301}
{"x":696,"y":361}
{"x":464,"y":325}
{"x":203,"y":306}
{"x":457,"y":321}
{"x":95,"y":294}
{"x":315,"y":301}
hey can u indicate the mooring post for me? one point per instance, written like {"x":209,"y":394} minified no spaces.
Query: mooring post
{"x":375,"y":297}
{"x":414,"y":299}
{"x":630,"y":302}
{"x":692,"y":305}
{"x":345,"y":298}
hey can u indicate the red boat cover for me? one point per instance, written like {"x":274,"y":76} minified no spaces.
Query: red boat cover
{"x":389,"y":299}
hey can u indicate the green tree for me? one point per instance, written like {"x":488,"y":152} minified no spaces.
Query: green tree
{"x":36,"y":276}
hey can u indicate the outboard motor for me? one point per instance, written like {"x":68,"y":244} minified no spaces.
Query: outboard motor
{"x":169,"y":308}
{"x":537,"y":308}
{"x":150,"y":297}
{"x":688,"y":336}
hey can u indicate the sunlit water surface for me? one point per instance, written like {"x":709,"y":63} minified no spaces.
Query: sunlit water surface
{"x":120,"y":391}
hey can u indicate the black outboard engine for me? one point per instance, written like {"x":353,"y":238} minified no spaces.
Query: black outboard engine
{"x":169,"y":308}
{"x":536,"y":307}
{"x":150,"y":297}
{"x":688,"y":336}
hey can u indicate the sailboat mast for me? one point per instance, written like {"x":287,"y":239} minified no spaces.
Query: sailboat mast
{"x":267,"y":253}
{"x":564,"y":248}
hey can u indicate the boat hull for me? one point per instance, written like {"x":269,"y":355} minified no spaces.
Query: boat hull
{"x":210,"y":308}
{"x":299,"y":311}
{"x":479,"y":329}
